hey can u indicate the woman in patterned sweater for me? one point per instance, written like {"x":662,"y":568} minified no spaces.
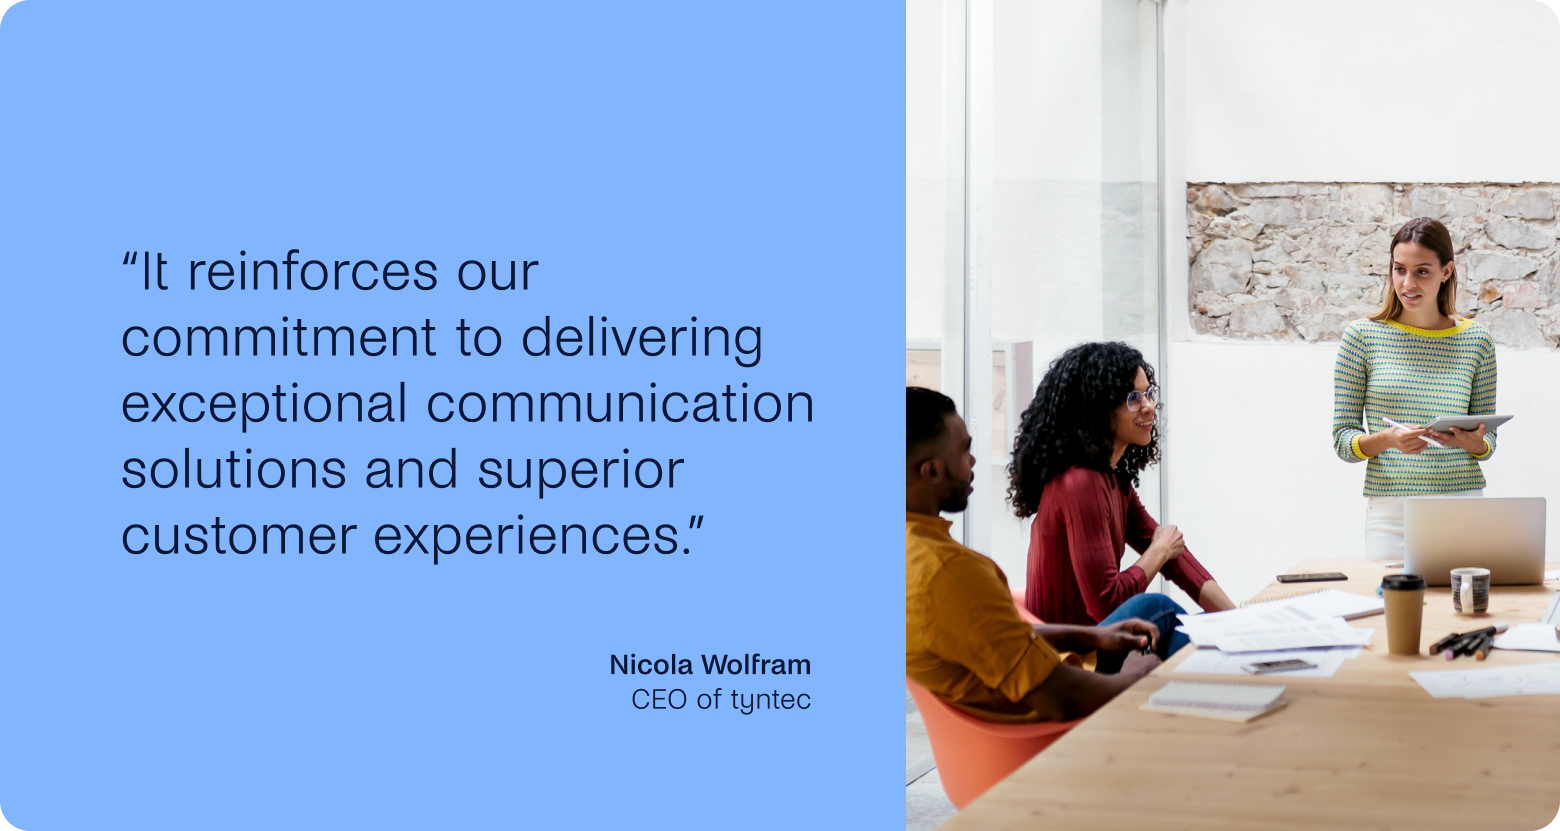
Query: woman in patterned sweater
{"x":1409,"y":363}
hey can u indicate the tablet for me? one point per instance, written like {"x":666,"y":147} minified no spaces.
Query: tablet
{"x":1468,"y":422}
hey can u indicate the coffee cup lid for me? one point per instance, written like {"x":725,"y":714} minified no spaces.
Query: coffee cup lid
{"x":1402,"y":582}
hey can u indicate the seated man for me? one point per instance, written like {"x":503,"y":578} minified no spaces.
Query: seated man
{"x":964,"y":639}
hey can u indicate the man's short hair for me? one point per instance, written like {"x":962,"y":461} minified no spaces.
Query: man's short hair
{"x":926,"y":417}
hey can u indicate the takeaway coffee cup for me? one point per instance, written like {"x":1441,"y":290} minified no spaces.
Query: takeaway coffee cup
{"x":1470,"y":590}
{"x":1404,"y":595}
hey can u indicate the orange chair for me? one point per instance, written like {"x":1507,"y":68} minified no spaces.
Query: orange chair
{"x":972,"y":755}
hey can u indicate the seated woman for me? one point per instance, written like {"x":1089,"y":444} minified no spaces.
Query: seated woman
{"x":1088,"y":434}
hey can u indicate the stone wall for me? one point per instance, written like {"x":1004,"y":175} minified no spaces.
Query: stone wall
{"x":1298,"y":261}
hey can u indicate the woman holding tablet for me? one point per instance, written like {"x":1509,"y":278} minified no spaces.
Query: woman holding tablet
{"x":1403,"y":367}
{"x":1091,"y":429}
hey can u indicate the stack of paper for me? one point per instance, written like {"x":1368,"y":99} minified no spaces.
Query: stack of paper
{"x":1314,"y":605}
{"x":1308,"y":620}
{"x":1226,"y":702}
{"x":1330,"y":632}
{"x":1308,"y":626}
{"x":1218,"y":662}
{"x":1521,"y":679}
{"x":1531,"y":637}
{"x":1534,"y":637}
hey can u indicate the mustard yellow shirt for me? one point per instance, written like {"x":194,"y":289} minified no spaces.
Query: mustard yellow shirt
{"x":964,"y":640}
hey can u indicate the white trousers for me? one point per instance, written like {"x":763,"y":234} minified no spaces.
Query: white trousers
{"x":1384,"y":525}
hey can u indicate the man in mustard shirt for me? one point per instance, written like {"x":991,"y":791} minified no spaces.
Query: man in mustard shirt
{"x":964,"y":639}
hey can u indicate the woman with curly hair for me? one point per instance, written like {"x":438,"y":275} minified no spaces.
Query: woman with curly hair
{"x":1083,"y":441}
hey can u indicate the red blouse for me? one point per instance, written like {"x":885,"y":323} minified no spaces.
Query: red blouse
{"x":1076,"y":542}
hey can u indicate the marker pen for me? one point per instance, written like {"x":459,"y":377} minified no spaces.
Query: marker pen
{"x":1468,"y":642}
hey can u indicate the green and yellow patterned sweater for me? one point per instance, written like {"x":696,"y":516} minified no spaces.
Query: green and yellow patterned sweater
{"x":1389,"y":370}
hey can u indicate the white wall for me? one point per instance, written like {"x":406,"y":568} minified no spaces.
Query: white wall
{"x":1371,"y":90}
{"x":1264,"y":91}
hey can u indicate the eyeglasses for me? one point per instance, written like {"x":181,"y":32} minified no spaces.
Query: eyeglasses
{"x":1137,"y":399}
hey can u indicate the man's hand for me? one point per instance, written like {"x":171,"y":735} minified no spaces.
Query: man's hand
{"x":1132,"y":633}
{"x":1069,"y":692}
{"x":1137,"y":666}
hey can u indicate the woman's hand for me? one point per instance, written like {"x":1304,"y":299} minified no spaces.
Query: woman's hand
{"x":1469,"y":440}
{"x":1406,"y":438}
{"x":1132,"y":633}
{"x":1167,"y":541}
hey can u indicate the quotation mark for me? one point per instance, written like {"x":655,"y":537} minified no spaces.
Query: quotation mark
{"x":132,"y":257}
{"x":694,"y":521}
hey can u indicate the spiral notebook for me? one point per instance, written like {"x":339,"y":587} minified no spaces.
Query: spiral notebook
{"x":1225,"y":702}
{"x":1323,"y":603}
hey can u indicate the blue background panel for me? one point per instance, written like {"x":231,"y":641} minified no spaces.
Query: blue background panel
{"x":735,"y":162}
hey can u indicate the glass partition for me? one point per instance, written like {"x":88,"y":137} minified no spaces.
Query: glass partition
{"x":1033,"y":212}
{"x":934,"y":198}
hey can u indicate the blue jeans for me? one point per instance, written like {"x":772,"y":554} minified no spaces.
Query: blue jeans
{"x":1154,"y":608}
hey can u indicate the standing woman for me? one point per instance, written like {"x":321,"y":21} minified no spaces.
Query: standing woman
{"x":1411,"y":362}
{"x":1091,"y":429}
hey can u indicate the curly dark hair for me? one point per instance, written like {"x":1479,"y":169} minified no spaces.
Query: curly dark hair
{"x":1069,"y":422}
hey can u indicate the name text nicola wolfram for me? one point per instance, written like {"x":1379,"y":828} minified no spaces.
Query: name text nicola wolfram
{"x":746,"y":664}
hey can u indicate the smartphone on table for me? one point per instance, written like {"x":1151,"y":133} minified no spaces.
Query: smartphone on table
{"x":1319,"y":577}
{"x":1264,"y":667}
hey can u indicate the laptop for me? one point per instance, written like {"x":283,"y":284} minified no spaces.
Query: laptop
{"x":1504,"y":535}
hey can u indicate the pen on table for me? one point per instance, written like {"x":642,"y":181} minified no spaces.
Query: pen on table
{"x":1446,"y":641}
{"x":1465,"y":643}
{"x":1459,"y":646}
{"x":1450,"y":648}
{"x":1486,"y":643}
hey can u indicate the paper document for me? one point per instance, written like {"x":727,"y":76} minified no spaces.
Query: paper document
{"x":1521,"y":679}
{"x":1308,"y":620}
{"x":1218,"y":662}
{"x":1318,"y":605}
{"x":1534,"y":637}
{"x":1552,"y":575}
{"x":1330,"y":632}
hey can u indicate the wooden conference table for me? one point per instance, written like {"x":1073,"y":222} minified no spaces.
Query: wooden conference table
{"x":1367,"y":748}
